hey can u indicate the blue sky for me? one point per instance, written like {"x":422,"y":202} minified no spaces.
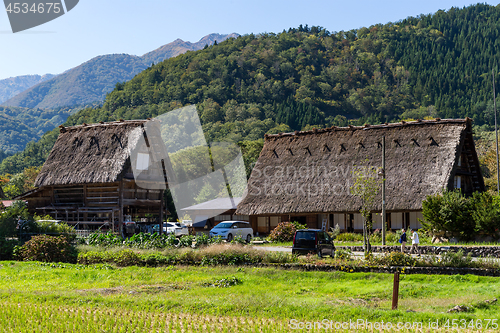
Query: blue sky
{"x":96,"y":27}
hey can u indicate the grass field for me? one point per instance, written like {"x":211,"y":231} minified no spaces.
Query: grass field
{"x":37,"y":297}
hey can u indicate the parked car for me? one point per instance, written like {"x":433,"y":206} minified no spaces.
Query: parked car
{"x":313,"y":241}
{"x":229,"y":229}
{"x":175,"y":228}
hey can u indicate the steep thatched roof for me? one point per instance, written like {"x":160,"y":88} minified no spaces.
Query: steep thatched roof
{"x":307,"y":172}
{"x":94,"y":153}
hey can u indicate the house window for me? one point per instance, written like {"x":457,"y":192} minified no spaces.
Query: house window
{"x":458,"y":181}
{"x":241,"y":217}
{"x":142,"y":161}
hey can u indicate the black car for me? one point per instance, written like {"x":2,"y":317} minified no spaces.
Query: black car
{"x":313,"y":241}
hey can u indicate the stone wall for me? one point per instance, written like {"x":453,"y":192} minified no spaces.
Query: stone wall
{"x":475,"y":251}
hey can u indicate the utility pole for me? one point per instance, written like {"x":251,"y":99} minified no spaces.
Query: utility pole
{"x":496,"y":131}
{"x":383,"y":191}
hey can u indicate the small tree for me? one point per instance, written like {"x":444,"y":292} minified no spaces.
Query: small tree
{"x":366,"y":186}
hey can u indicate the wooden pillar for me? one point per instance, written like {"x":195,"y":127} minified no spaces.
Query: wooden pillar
{"x":120,"y":213}
{"x":161,"y":212}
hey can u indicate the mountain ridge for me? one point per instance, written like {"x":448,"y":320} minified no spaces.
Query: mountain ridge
{"x":92,"y":80}
{"x":12,"y":86}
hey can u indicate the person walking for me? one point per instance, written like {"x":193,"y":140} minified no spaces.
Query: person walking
{"x":414,"y":242}
{"x":402,"y":240}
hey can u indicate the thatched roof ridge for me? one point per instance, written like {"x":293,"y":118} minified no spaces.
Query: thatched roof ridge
{"x":95,"y":153}
{"x":369,"y":126}
{"x":311,"y":171}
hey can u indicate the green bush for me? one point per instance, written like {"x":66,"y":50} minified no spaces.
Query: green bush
{"x":126,"y":258}
{"x":56,"y":228}
{"x":486,"y":213}
{"x":394,"y":259}
{"x":9,"y":220}
{"x":48,"y":249}
{"x":278,"y":257}
{"x":455,"y":259}
{"x":343,"y":254}
{"x":284,"y":232}
{"x":238,"y":240}
{"x":100,"y":239}
{"x":7,"y":248}
{"x":349,"y":237}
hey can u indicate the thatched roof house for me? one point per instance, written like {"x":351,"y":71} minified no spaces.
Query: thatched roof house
{"x":88,"y":179}
{"x":306,"y":176}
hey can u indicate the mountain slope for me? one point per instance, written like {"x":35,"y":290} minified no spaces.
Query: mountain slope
{"x":18,"y":126}
{"x":179,"y":47}
{"x":88,"y":82}
{"x":15,"y":85}
{"x":92,"y":80}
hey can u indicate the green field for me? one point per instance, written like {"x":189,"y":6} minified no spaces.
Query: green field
{"x":37,"y":297}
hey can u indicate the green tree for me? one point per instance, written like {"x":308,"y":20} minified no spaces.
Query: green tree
{"x":366,"y":185}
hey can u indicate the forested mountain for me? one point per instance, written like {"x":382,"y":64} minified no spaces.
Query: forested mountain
{"x":15,"y":85}
{"x":92,"y":80}
{"x":18,"y":126}
{"x":433,"y":65}
{"x":3,"y":155}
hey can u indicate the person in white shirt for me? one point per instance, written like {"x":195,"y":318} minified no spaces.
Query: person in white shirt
{"x":414,"y":242}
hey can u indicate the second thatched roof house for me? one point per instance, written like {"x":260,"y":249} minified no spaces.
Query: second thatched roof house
{"x":306,"y":176}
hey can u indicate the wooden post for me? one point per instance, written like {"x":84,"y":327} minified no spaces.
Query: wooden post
{"x":120,"y":213}
{"x":395,"y":291}
{"x":161,"y":212}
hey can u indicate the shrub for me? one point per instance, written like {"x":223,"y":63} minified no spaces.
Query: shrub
{"x":394,"y":259}
{"x":238,"y":240}
{"x":108,"y":239}
{"x":278,"y":257}
{"x":343,"y":254}
{"x":59,"y":228}
{"x":455,"y":259}
{"x":7,"y":248}
{"x":284,"y":232}
{"x":349,"y":237}
{"x":9,"y":219}
{"x":486,"y":213}
{"x":48,"y":249}
{"x":223,"y":283}
{"x":126,"y":258}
